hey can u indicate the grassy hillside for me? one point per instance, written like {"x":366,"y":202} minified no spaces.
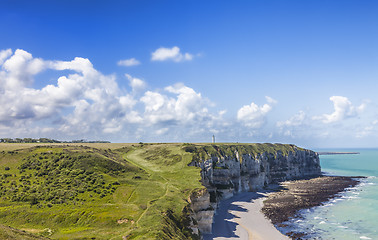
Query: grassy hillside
{"x":9,"y":233}
{"x":82,"y":192}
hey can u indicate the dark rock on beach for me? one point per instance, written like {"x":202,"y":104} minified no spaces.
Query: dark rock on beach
{"x":303,"y":194}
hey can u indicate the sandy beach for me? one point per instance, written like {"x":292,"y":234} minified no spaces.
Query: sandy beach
{"x":240,"y":217}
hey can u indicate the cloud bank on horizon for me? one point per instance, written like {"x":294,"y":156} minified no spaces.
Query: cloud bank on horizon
{"x":85,"y":103}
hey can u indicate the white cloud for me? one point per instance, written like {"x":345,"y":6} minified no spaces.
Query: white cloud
{"x":136,"y":83}
{"x":127,"y":101}
{"x":343,"y":109}
{"x":133,"y":117}
{"x":4,"y":54}
{"x":20,"y":68}
{"x":128,"y":62}
{"x":84,"y":103}
{"x":185,"y":107}
{"x":253,"y":115}
{"x":161,"y":131}
{"x":296,"y":126}
{"x":96,"y":99}
{"x":174,"y":54}
{"x":80,"y":65}
{"x":153,"y":101}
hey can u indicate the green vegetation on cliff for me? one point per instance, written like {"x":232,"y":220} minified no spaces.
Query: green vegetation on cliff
{"x":204,"y":151}
{"x":103,"y":190}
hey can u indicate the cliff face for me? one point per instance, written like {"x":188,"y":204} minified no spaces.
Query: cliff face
{"x":226,"y":172}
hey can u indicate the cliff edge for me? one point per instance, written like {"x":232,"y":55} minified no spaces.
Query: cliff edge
{"x":227,"y":169}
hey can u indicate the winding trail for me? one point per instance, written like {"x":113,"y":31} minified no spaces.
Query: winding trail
{"x":134,"y":158}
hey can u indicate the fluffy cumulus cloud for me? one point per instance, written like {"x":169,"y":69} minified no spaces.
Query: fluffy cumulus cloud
{"x":84,"y":103}
{"x":19,"y":68}
{"x":254,"y":116}
{"x":128,"y":62}
{"x":343,"y":109}
{"x":173,"y":54}
{"x":178,"y":104}
{"x":136,"y":83}
{"x":4,"y":54}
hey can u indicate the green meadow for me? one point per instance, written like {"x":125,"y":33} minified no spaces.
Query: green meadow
{"x":95,"y":191}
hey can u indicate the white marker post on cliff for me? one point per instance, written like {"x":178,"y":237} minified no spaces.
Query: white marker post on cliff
{"x":213,"y":139}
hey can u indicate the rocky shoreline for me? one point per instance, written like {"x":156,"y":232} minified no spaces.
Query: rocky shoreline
{"x":282,"y":205}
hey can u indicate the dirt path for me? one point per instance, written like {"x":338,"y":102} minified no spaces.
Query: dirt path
{"x":134,"y":158}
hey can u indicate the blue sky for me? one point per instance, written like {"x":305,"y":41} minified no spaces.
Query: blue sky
{"x":301,"y":72}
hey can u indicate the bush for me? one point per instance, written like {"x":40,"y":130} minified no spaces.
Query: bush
{"x":58,"y":180}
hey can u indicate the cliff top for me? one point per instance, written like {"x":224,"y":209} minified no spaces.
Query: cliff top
{"x":203,"y":151}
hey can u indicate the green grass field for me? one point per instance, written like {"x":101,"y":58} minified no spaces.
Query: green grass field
{"x":95,"y":191}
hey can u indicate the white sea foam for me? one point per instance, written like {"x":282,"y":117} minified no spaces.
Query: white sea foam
{"x":328,"y":205}
{"x":342,"y":227}
{"x":322,"y":222}
{"x":337,"y":199}
{"x":364,"y":237}
{"x":349,"y":197}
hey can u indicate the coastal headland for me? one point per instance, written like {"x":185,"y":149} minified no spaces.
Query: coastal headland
{"x":142,"y":190}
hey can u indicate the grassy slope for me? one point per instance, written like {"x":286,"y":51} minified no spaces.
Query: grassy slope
{"x":154,"y":185}
{"x":156,"y":178}
{"x":9,"y":233}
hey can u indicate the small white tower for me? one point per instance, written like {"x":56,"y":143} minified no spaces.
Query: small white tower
{"x":213,"y":139}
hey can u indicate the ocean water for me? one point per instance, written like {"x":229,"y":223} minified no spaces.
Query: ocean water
{"x":354,"y":213}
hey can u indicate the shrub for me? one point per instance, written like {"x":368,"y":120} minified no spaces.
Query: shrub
{"x":58,"y":180}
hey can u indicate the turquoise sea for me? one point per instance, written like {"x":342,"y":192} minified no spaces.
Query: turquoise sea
{"x":354,"y":213}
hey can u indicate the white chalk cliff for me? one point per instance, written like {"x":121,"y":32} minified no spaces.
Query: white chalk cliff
{"x":224,"y":174}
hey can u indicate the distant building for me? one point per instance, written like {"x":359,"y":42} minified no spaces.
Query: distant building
{"x":213,"y":139}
